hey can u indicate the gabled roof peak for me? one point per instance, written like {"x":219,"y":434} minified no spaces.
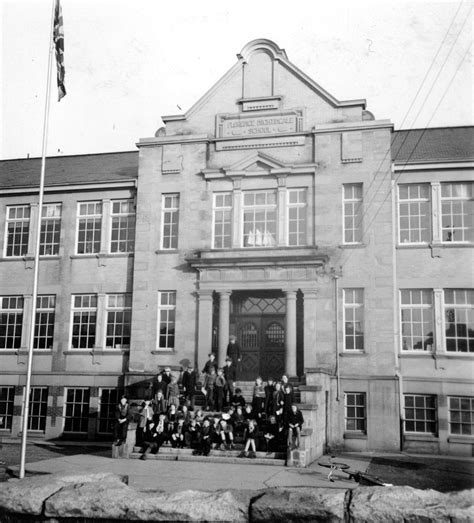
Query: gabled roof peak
{"x":261,"y":44}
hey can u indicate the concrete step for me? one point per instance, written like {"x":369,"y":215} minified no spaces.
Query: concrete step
{"x":215,"y":456}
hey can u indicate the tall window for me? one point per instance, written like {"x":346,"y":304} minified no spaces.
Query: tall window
{"x":421,"y":413}
{"x":11,"y":321}
{"x":352,"y":212}
{"x":89,"y":227}
{"x":38,"y":409}
{"x":297,"y":217}
{"x":170,"y":221}
{"x":7,"y":396}
{"x":84,"y":317}
{"x":457,"y":212}
{"x":18,"y":229}
{"x":50,"y":229}
{"x":123,"y":226}
{"x":119,"y":320}
{"x":167,"y":316}
{"x":259,"y":219}
{"x":417,"y":319}
{"x":459,"y":319}
{"x":354,"y":319}
{"x":461,"y":416}
{"x":355,"y":412}
{"x":76,"y":410}
{"x":108,"y":400}
{"x":44,"y":326}
{"x":222,"y":217}
{"x":414,"y":213}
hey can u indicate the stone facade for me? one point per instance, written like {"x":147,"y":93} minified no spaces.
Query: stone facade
{"x":270,"y":210}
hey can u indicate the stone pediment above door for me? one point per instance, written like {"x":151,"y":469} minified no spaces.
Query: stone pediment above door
{"x":257,"y":164}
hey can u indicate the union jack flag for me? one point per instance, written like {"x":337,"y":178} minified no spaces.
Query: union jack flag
{"x":58,"y":38}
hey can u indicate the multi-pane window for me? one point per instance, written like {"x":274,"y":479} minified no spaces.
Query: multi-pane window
{"x":84,"y":317}
{"x":89,"y":227}
{"x":44,"y":326}
{"x":354,"y":319}
{"x":170,"y":221}
{"x":122,"y":237}
{"x":7,"y":396}
{"x":166,"y":315}
{"x":414,"y":213}
{"x":457,"y":211}
{"x":119,"y":320}
{"x":50,"y":229}
{"x":76,"y":410}
{"x":108,"y":401}
{"x":297,"y":217}
{"x":417,"y":319}
{"x":259,"y":219}
{"x":420,"y":413}
{"x":11,"y":321}
{"x":461,"y":416}
{"x":459,"y":319}
{"x":222,"y":216}
{"x":355,"y":411}
{"x":18,"y":229}
{"x":38,"y":408}
{"x":352,"y":212}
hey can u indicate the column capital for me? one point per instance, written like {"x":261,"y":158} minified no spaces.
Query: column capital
{"x":309,"y":293}
{"x":224,"y":294}
{"x":290,"y":294}
{"x":205,"y":294}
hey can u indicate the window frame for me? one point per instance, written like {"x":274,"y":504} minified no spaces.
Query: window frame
{"x":18,"y":312}
{"x":109,"y":418}
{"x":355,"y":418}
{"x":461,"y":422}
{"x":97,"y":217}
{"x":174,"y":211}
{"x":353,"y":306}
{"x":425,"y":420}
{"x":56,"y":221}
{"x":7,"y":406}
{"x":162,"y":308}
{"x":299,"y":206}
{"x":256,"y":208}
{"x":222,"y":209}
{"x":464,"y":202}
{"x":124,"y":309}
{"x":42,"y":404}
{"x":89,"y":309}
{"x":83,"y":419}
{"x":419,"y":201}
{"x":49,"y":310}
{"x":130,"y":220}
{"x":357,"y":206}
{"x":23,"y":246}
{"x":465,"y":307}
{"x":412,"y":307}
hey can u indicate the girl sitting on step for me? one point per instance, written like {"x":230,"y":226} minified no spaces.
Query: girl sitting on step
{"x":250,"y":436}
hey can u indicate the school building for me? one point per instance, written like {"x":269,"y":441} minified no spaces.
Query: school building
{"x":337,"y":249}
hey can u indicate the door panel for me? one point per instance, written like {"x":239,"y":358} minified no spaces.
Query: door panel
{"x":272,"y":360}
{"x":248,"y":335}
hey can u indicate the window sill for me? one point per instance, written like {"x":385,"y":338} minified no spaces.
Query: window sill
{"x":24,"y":352}
{"x":355,"y":435}
{"x":162,"y":351}
{"x":102,"y":255}
{"x":438,"y":355}
{"x":420,"y":437}
{"x":461,"y":439}
{"x":96,"y":352}
{"x":352,"y":353}
{"x":413,"y":246}
{"x":166,"y":251}
{"x":352,"y":246}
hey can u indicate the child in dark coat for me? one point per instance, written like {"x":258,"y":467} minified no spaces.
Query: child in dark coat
{"x":294,"y":424}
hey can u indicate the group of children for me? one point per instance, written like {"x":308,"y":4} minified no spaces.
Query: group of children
{"x":268,"y":423}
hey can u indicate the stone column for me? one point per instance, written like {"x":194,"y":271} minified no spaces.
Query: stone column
{"x":106,"y":227}
{"x":224,"y":310}
{"x":204,"y":327}
{"x":290,"y":334}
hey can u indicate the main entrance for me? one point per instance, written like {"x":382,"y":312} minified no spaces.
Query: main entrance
{"x":258,"y":321}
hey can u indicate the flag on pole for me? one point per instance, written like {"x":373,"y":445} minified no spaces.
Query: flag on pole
{"x":58,"y":38}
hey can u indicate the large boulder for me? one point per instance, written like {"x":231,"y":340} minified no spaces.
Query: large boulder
{"x":27,"y":496}
{"x":394,"y":504}
{"x":302,"y":504}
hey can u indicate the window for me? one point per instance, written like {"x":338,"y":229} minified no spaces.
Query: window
{"x":50,"y":229}
{"x":44,"y":326}
{"x":89,"y":227}
{"x":459,"y":319}
{"x":108,"y":401}
{"x":123,"y":226}
{"x":170,"y":220}
{"x":11,"y":322}
{"x":259,"y":219}
{"x":457,"y":206}
{"x":76,"y":410}
{"x":417,"y":319}
{"x":297,"y":217}
{"x":84,"y":317}
{"x":352,"y":213}
{"x":354,"y":319}
{"x":166,"y":315}
{"x":119,"y":319}
{"x":18,"y":229}
{"x":355,"y":412}
{"x":414,"y":213}
{"x":461,"y":416}
{"x":420,"y":413}
{"x":222,"y":217}
{"x":38,"y":408}
{"x":7,"y":396}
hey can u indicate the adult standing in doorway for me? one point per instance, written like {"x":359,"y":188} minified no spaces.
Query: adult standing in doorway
{"x":234,"y":353}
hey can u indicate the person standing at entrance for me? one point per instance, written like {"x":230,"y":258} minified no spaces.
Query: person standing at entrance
{"x":122,"y":416}
{"x":234,"y":351}
{"x":230,"y":374}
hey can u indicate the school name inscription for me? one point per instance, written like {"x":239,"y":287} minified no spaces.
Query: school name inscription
{"x":257,"y":126}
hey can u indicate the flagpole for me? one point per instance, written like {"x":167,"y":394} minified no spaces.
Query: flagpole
{"x":26,"y":396}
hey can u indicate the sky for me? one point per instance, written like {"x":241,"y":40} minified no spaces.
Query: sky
{"x":130,"y":61}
